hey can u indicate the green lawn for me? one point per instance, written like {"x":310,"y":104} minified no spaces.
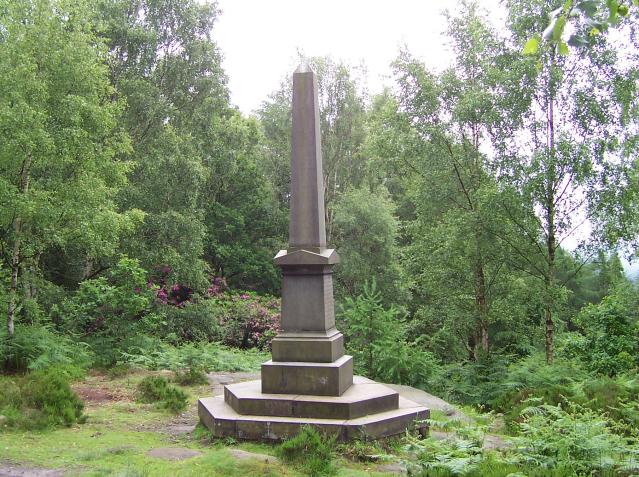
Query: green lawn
{"x":119,"y":432}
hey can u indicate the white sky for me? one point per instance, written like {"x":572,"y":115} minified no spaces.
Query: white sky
{"x":259,"y":39}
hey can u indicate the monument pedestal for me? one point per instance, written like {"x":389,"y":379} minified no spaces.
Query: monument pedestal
{"x":309,"y":380}
{"x":366,"y":410}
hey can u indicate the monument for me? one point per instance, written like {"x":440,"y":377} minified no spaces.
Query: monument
{"x":309,"y":379}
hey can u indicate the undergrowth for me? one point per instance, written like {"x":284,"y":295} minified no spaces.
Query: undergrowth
{"x":39,"y":400}
{"x":157,"y":390}
{"x":310,"y":451}
{"x":206,"y":356}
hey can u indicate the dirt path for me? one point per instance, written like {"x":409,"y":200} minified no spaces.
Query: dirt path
{"x":10,"y":470}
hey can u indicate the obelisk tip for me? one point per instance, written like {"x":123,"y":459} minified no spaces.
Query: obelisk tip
{"x":303,"y":67}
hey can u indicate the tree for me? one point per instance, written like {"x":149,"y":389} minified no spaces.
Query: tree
{"x":366,"y":234}
{"x":562,"y":161}
{"x":58,"y":138}
{"x":194,"y":156}
{"x":597,"y":15}
{"x":164,"y":63}
{"x":441,"y":123}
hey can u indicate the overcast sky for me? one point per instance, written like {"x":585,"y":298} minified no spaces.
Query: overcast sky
{"x":260,"y":39}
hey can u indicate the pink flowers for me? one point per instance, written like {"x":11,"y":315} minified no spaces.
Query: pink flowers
{"x":249,"y":320}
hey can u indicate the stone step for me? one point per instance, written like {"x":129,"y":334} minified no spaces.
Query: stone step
{"x":364,"y":397}
{"x":313,"y":379}
{"x":223,"y":421}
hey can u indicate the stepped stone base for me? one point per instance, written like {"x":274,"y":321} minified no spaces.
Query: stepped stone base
{"x":307,"y":346}
{"x":315,"y":379}
{"x":367,"y":410}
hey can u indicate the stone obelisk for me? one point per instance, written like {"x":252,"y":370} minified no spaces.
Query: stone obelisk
{"x":309,"y":379}
{"x":308,"y":333}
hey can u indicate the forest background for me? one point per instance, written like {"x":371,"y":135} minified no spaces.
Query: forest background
{"x":141,"y":209}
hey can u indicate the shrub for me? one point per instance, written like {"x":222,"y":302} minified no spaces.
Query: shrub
{"x":477,"y":383}
{"x":41,"y":399}
{"x":194,"y":321}
{"x":152,"y":388}
{"x":376,"y":337}
{"x":311,"y":451}
{"x":205,"y":356}
{"x":191,"y":377}
{"x":119,"y":370}
{"x":611,"y":340}
{"x":36,"y":348}
{"x":248,"y":320}
{"x":175,"y":400}
{"x":574,"y":438}
{"x":617,"y":397}
{"x":110,"y":314}
{"x":532,"y":377}
{"x":157,"y":390}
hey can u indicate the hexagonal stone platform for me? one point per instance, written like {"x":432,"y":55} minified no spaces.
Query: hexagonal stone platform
{"x":366,"y":410}
{"x":361,"y":399}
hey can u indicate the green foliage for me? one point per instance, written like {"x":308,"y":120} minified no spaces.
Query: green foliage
{"x":376,"y":337}
{"x":196,"y":178}
{"x":311,"y":451}
{"x":37,"y":348}
{"x":365,"y":235}
{"x":533,"y":377}
{"x":611,"y":344}
{"x":118,"y":371}
{"x":573,"y":438}
{"x":477,"y":383}
{"x":40,"y":399}
{"x":588,"y":19}
{"x":205,"y":356}
{"x":111,"y":315}
{"x":198,"y":320}
{"x":248,"y":320}
{"x":60,"y":142}
{"x":157,"y":390}
{"x":616,"y":397}
{"x":192,"y":376}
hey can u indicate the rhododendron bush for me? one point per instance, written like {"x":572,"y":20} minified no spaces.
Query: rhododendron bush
{"x":240,"y":319}
{"x":249,"y":320}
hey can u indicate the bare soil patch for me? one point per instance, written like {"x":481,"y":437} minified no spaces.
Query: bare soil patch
{"x":10,"y":470}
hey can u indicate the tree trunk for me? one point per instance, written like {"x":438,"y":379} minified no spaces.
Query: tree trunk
{"x":15,"y":266}
{"x":15,"y":256}
{"x":482,"y":307}
{"x":550,"y":285}
{"x":549,"y":334}
{"x":551,"y":244}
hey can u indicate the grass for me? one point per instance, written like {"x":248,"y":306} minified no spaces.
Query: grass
{"x":120,"y":431}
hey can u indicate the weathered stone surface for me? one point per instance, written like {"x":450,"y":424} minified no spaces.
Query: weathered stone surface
{"x":430,"y":401}
{"x":314,"y":347}
{"x":359,"y":400}
{"x":307,"y":299}
{"x":318,"y":379}
{"x":327,"y":256}
{"x":225,"y":422}
{"x":173,"y":453}
{"x":395,"y":468}
{"x":240,"y":454}
{"x":306,"y":227}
